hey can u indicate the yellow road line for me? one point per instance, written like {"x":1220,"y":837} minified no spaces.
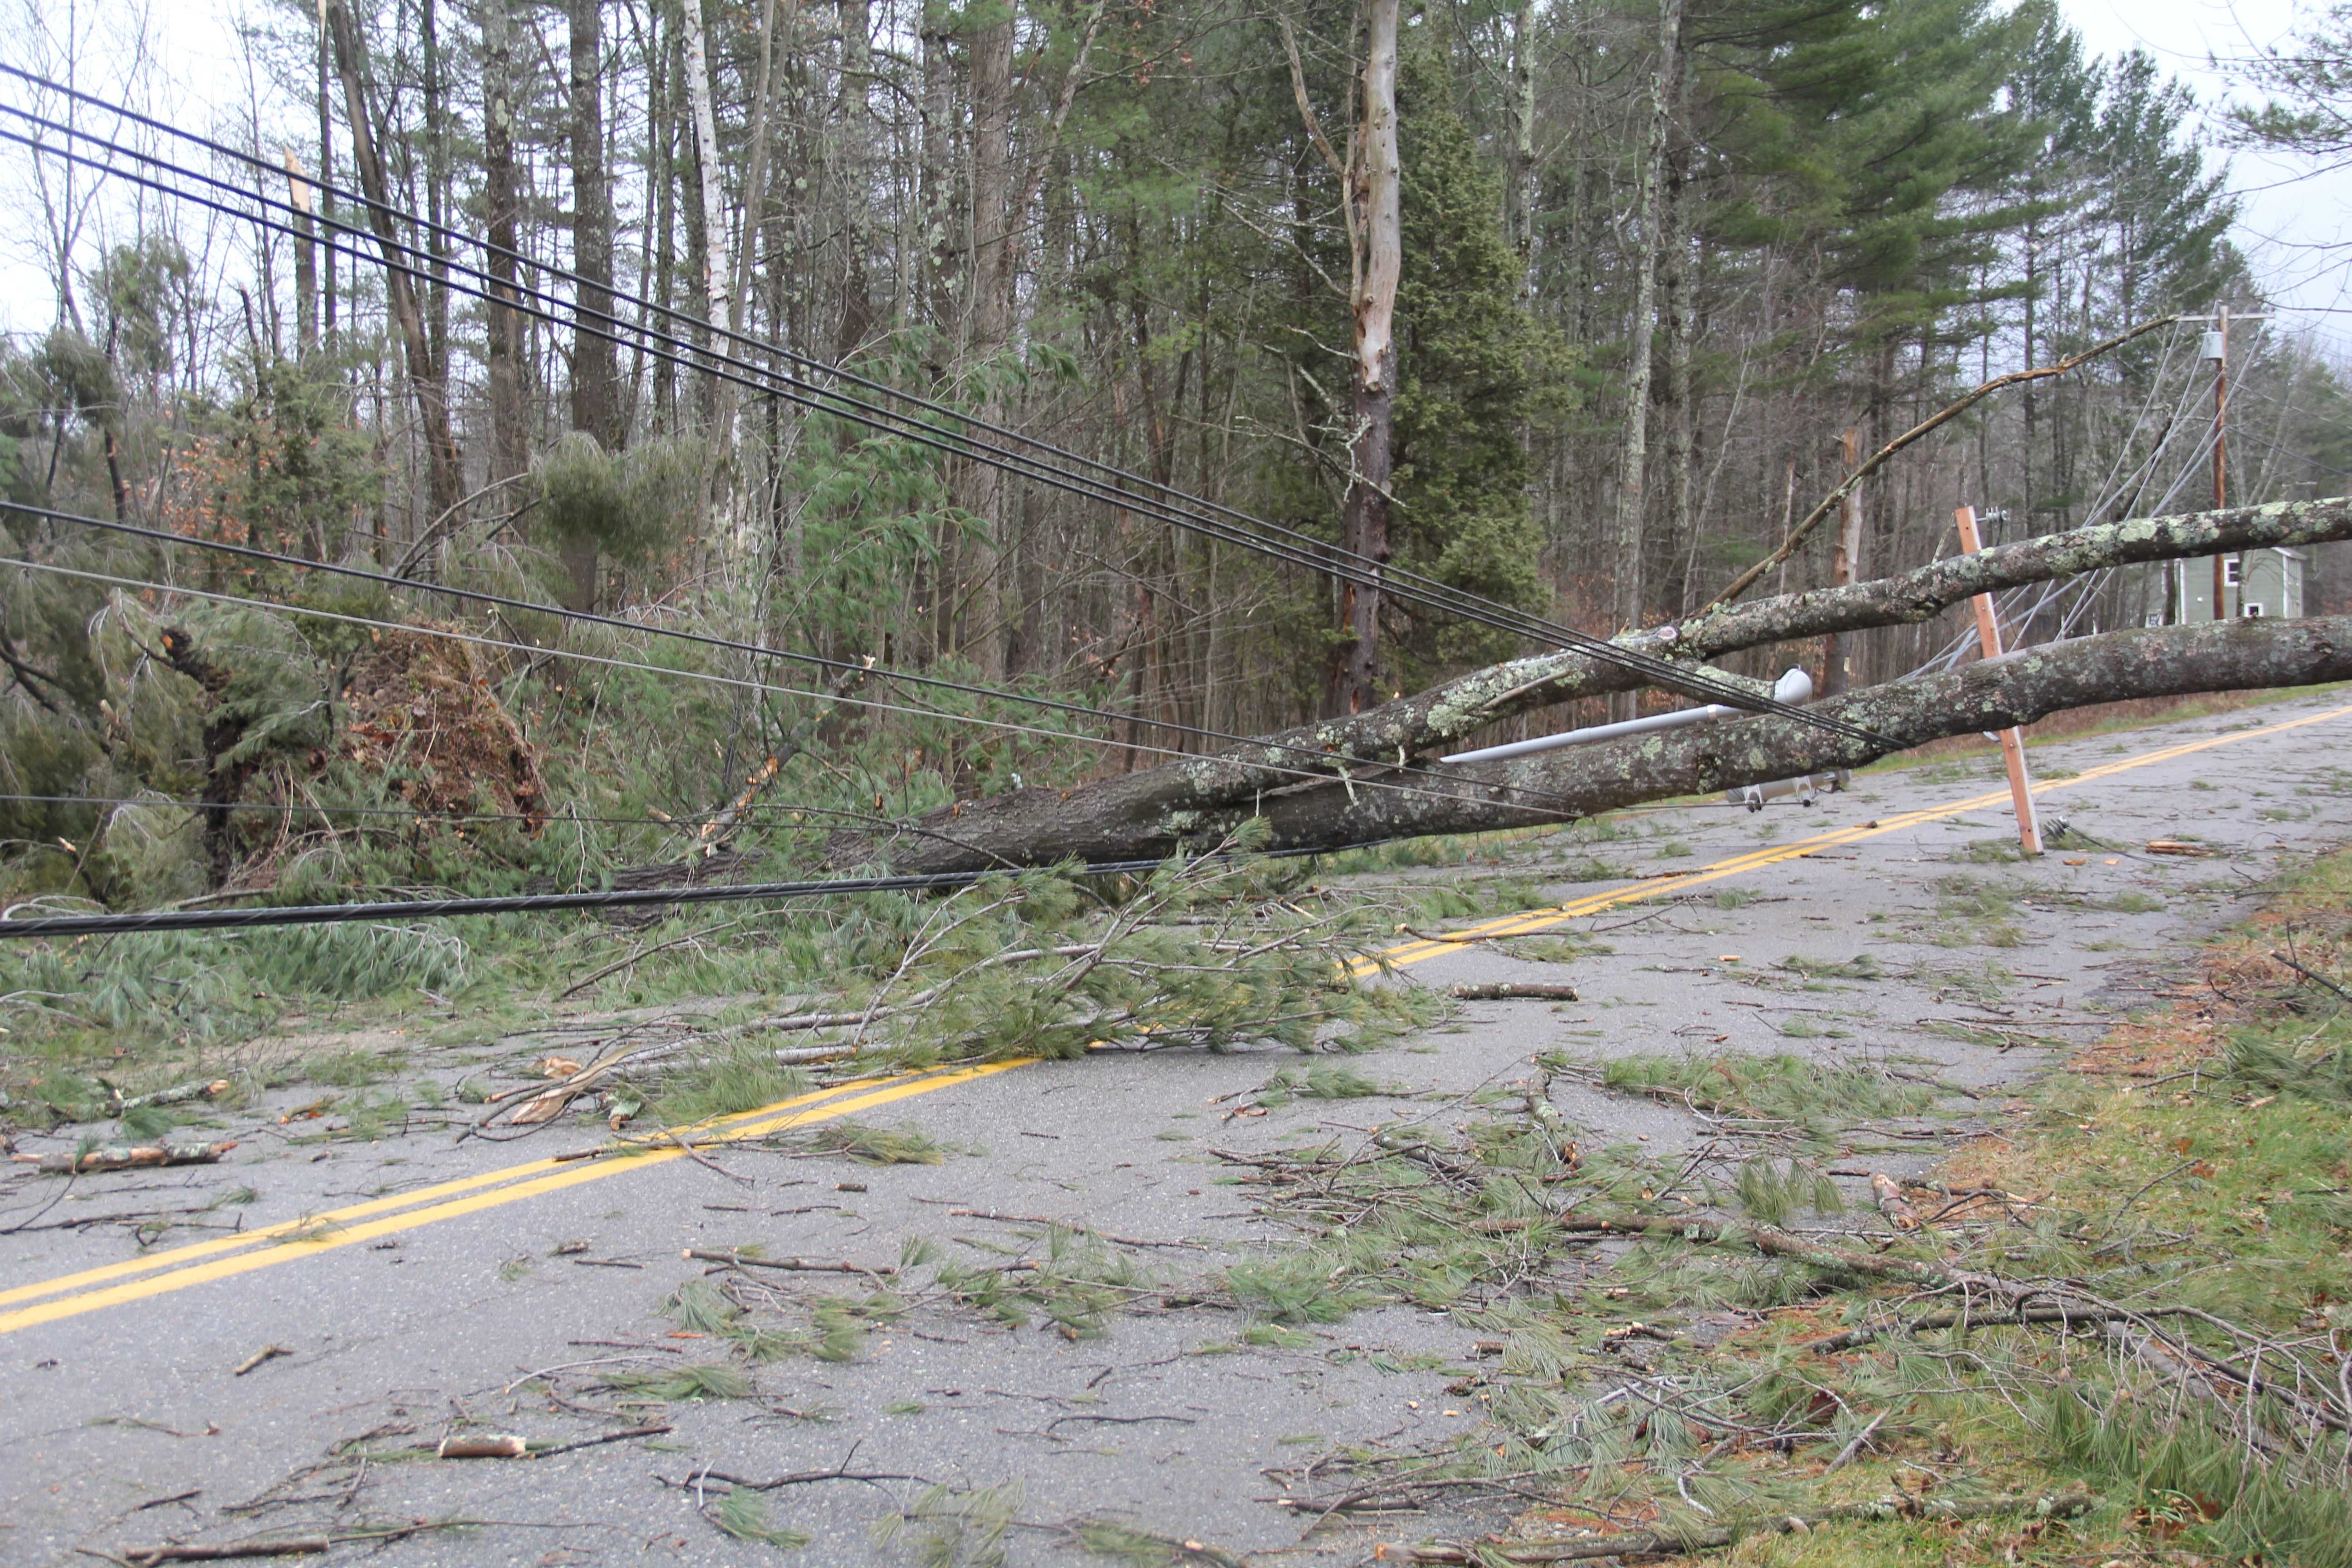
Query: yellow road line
{"x":227,"y":1257}
{"x":716,"y":1128}
{"x":1531,"y":921}
{"x":295,"y":1239}
{"x":176,"y":1257}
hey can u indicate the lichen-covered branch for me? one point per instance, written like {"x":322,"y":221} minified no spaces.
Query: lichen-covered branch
{"x":1130,"y":818}
{"x":1167,"y":805}
{"x":1420,"y":725}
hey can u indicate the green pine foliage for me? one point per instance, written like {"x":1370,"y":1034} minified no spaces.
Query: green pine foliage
{"x":1473,"y":368}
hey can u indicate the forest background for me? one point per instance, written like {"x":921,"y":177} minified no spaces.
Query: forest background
{"x":1659,"y":265}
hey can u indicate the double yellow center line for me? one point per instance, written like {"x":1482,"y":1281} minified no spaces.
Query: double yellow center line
{"x":158,"y":1273}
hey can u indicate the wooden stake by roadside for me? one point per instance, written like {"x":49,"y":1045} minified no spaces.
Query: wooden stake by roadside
{"x":2012,"y":743}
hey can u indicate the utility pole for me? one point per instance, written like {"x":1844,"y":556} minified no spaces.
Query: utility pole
{"x":2219,"y":342}
{"x":2217,"y":353}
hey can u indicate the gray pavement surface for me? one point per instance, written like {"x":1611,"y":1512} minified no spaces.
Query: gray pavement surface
{"x":125,"y":1421}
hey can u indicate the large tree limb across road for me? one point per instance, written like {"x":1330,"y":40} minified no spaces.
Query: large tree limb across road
{"x":1994,"y":694}
{"x":1160,"y":809}
{"x":1040,"y":825}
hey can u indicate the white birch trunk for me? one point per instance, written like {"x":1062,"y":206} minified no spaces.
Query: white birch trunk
{"x":1375,"y":201}
{"x":1632,"y":486}
{"x":717,"y":270}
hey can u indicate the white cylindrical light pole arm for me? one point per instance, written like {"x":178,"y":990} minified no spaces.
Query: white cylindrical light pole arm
{"x":1793,"y":686}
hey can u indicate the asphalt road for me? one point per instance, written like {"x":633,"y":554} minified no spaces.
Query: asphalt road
{"x":416,"y":1286}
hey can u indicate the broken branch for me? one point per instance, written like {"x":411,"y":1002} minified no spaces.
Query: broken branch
{"x":124,"y":1157}
{"x":1926,"y":427}
{"x":790,"y":1265}
{"x":1513,"y":991}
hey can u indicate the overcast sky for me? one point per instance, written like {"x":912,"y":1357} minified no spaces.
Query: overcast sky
{"x":2291,"y":215}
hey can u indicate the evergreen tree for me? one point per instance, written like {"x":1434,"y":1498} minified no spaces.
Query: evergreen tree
{"x":2167,"y":220}
{"x":2309,"y":84}
{"x":1469,"y":361}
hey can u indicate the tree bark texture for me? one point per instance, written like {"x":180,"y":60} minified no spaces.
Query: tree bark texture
{"x":1519,"y":193}
{"x":1164,"y":805}
{"x":438,"y":185}
{"x":327,"y":179}
{"x":594,"y":405}
{"x":1034,"y":827}
{"x":718,"y":272}
{"x":978,"y":630}
{"x":502,"y":212}
{"x":725,"y":393}
{"x":444,"y":483}
{"x":1375,"y":201}
{"x":305,"y":260}
{"x":1633,"y":477}
{"x":935,"y":187}
{"x":1674,"y":294}
{"x":851,"y":144}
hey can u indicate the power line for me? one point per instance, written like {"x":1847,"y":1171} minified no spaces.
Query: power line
{"x":1659,"y":672}
{"x":2111,"y":488}
{"x":1316,"y":555}
{"x":1367,"y":571}
{"x":520,"y":903}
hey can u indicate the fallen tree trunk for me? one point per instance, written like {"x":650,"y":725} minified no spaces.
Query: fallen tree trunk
{"x":1120,"y":820}
{"x":1148,"y":812}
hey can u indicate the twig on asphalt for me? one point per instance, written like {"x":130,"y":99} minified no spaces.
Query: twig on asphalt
{"x":653,"y":1431}
{"x":266,"y":1352}
{"x":1513,"y":991}
{"x":790,"y":1265}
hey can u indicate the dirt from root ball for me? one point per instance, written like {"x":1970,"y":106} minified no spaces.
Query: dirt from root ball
{"x":421,"y":709}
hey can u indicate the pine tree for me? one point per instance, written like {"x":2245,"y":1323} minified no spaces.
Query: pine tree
{"x":1468,"y":359}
